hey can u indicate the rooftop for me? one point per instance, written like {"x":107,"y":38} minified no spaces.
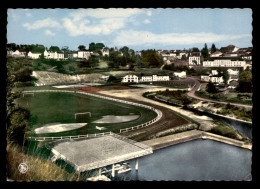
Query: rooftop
{"x":91,"y":153}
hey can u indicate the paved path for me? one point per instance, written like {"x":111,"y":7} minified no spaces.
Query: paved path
{"x":169,"y":140}
{"x":191,"y":94}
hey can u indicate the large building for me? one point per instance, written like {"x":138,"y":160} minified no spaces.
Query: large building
{"x":131,"y":78}
{"x":84,"y":54}
{"x":53,"y":55}
{"x":34,"y":55}
{"x":224,"y":62}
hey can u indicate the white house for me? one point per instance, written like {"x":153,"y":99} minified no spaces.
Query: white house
{"x":84,"y":54}
{"x":105,"y":52}
{"x":216,"y":54}
{"x":72,"y":55}
{"x":205,"y":78}
{"x":34,"y":55}
{"x":180,"y":74}
{"x":53,"y":55}
{"x":216,"y":79}
{"x":161,"y":78}
{"x":224,"y":63}
{"x":130,"y":78}
{"x":19,"y":53}
{"x":146,"y":78}
{"x":233,"y":71}
{"x":138,"y":53}
{"x":194,"y":60}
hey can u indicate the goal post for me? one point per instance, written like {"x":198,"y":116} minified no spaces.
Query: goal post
{"x":89,"y":113}
{"x":28,"y":94}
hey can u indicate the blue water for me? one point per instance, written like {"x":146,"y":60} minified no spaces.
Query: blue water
{"x":198,"y":160}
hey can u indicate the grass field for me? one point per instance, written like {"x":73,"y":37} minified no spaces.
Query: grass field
{"x":48,"y":108}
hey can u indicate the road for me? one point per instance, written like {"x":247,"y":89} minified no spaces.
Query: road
{"x":191,"y":94}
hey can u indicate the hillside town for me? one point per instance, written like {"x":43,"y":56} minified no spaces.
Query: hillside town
{"x":230,"y":57}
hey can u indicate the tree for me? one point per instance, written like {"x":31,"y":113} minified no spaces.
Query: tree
{"x":245,"y":82}
{"x":151,"y":58}
{"x":18,"y":125}
{"x":38,"y":48}
{"x":54,"y":48}
{"x":205,"y":51}
{"x":213,"y":48}
{"x":82,"y":47}
{"x":195,"y":49}
{"x":24,"y":74}
{"x":210,"y":88}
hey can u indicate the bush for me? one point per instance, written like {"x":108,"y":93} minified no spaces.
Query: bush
{"x":18,"y":125}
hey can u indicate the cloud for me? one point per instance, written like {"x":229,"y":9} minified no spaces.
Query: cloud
{"x":103,"y":21}
{"x":149,"y":13}
{"x":146,"y":21}
{"x":46,"y":23}
{"x":104,"y":27}
{"x":132,"y":37}
{"x":12,"y":15}
{"x":105,"y":13}
{"x":49,"y":32}
{"x":28,"y":14}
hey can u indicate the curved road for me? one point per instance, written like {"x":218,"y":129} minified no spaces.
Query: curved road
{"x":191,"y":94}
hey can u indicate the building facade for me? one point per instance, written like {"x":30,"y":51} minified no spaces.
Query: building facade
{"x":34,"y":55}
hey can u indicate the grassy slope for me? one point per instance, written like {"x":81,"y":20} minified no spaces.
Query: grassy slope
{"x":39,"y":169}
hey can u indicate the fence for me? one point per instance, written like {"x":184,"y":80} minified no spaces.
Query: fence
{"x":70,"y":137}
{"x":158,"y":112}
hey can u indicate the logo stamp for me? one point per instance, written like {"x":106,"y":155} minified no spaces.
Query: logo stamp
{"x":23,"y":168}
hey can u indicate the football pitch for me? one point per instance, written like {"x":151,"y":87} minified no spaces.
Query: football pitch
{"x":54,"y":107}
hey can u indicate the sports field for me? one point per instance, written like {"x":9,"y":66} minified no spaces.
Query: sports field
{"x":49,"y":108}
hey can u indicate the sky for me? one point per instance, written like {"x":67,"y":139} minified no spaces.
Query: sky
{"x":138,"y":29}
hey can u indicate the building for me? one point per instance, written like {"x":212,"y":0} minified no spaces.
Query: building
{"x":194,"y":59}
{"x":34,"y":55}
{"x":18,"y":53}
{"x":84,"y":54}
{"x":180,"y":74}
{"x":233,"y":71}
{"x":130,"y":78}
{"x":139,"y":53}
{"x":216,"y":79}
{"x":161,"y":78}
{"x":53,"y":55}
{"x":216,"y":54}
{"x":213,"y":77}
{"x":105,"y":51}
{"x":146,"y":78}
{"x":205,"y":78}
{"x":224,"y":62}
{"x":72,"y":55}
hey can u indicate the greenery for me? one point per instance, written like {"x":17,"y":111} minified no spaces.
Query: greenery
{"x":227,"y":131}
{"x":39,"y":168}
{"x":245,"y":82}
{"x":178,"y":96}
{"x":205,"y":51}
{"x":210,"y":88}
{"x":151,"y":58}
{"x":232,"y":97}
{"x":213,"y":48}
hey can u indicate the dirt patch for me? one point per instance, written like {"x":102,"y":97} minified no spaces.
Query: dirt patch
{"x":90,"y":89}
{"x":119,"y":87}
